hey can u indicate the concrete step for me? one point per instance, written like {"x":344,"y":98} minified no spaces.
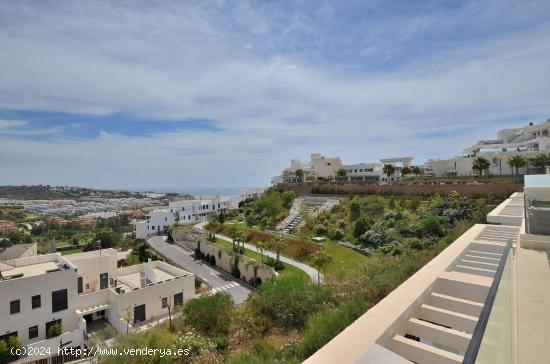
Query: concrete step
{"x":473,"y":270}
{"x":440,"y":335}
{"x":460,"y":305}
{"x":421,"y":353}
{"x":479,"y":264}
{"x":485,"y":254}
{"x":480,"y":258}
{"x":462,"y":285}
{"x":454,"y":320}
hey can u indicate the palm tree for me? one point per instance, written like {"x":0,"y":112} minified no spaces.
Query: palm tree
{"x":388,"y":169}
{"x":517,"y":162}
{"x":300,"y":175}
{"x":278,"y":245}
{"x":240,"y":239}
{"x":341,"y":174}
{"x":480,"y":164}
{"x":320,"y":260}
{"x":233,"y":234}
{"x":405,"y":171}
{"x":261,"y":246}
{"x":540,"y":161}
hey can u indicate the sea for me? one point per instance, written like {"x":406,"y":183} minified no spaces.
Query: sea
{"x":200,"y":192}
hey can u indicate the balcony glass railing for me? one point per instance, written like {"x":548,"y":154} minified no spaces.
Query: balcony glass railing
{"x":492,"y":341}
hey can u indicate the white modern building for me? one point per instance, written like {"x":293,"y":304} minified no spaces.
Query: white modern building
{"x":323,"y":168}
{"x":74,"y":291}
{"x":318,"y":167}
{"x":527,"y":141}
{"x":184,"y":212}
{"x":364,"y":171}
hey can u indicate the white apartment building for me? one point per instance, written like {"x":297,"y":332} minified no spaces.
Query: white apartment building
{"x":527,"y":141}
{"x":184,"y":212}
{"x":318,"y":167}
{"x":364,"y":171}
{"x":41,"y":291}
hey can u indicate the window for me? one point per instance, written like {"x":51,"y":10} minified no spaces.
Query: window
{"x":7,"y":336}
{"x":165,"y":218}
{"x":164,"y":302}
{"x":178,"y":299}
{"x":59,"y":300}
{"x":36,"y":301}
{"x":103,"y":280}
{"x":33,"y":332}
{"x":152,"y":228}
{"x":15,"y":307}
{"x":79,"y":284}
{"x":52,"y":332}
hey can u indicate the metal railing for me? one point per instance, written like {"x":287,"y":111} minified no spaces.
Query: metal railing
{"x":479,"y":331}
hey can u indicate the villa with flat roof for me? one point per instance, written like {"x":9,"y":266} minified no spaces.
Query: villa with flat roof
{"x":484,"y":299}
{"x":527,"y":141}
{"x":78,"y":290}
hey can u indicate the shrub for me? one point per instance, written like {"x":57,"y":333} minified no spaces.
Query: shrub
{"x":288,"y":197}
{"x":255,"y":281}
{"x":361,"y":227}
{"x":196,"y":344}
{"x":354,"y":210}
{"x":326,"y":324}
{"x":338,"y":234}
{"x":198,"y":282}
{"x":288,"y":300}
{"x":434,"y":225}
{"x":416,"y":244}
{"x":54,"y":330}
{"x":272,"y":262}
{"x":210,"y":314}
{"x":320,"y":229}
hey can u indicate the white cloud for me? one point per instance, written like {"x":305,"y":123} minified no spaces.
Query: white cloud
{"x":266,"y":89}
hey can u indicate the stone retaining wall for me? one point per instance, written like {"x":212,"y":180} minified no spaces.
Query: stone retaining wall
{"x":225,"y":259}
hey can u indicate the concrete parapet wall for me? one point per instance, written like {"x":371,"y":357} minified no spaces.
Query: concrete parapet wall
{"x":225,"y":259}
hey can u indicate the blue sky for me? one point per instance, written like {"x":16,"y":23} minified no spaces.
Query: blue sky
{"x":224,"y":93}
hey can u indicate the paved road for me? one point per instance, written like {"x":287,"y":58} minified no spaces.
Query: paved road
{"x":312,"y":272}
{"x":219,"y":282}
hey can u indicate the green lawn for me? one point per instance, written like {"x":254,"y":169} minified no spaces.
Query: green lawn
{"x":342,"y":258}
{"x":72,"y":251}
{"x":289,"y":269}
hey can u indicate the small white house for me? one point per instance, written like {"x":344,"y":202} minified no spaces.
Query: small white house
{"x":73,"y":291}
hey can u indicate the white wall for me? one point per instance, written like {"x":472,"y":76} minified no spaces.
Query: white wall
{"x":23,"y":289}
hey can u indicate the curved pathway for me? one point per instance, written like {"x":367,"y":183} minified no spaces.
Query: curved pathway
{"x":219,"y":281}
{"x":312,"y":272}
